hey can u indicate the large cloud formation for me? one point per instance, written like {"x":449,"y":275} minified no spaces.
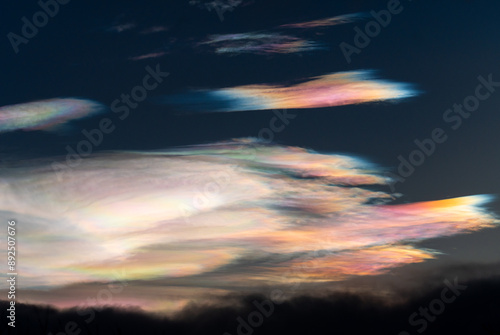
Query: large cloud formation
{"x":226,"y":215}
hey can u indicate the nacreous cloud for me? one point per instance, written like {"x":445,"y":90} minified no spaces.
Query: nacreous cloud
{"x":45,"y":114}
{"x":259,"y":43}
{"x":231,"y":215}
{"x":337,"y":89}
{"x":331,"y":21}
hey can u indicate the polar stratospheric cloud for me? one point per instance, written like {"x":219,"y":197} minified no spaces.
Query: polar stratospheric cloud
{"x":45,"y":114}
{"x":259,"y":43}
{"x":337,"y":89}
{"x":331,"y":21}
{"x":224,"y":216}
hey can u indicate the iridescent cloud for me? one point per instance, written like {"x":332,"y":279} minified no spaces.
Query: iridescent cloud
{"x":148,"y":56}
{"x":337,"y":89}
{"x":45,"y":114}
{"x":154,"y":29}
{"x":120,"y":28}
{"x":274,"y":42}
{"x":220,"y":6}
{"x":332,"y":21}
{"x":259,"y":43}
{"x":226,"y":216}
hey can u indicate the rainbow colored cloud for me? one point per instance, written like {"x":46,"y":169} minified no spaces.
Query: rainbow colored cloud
{"x":336,"y":89}
{"x":274,"y":41}
{"x":327,"y":22}
{"x":45,"y":114}
{"x":259,"y":43}
{"x":228,"y":215}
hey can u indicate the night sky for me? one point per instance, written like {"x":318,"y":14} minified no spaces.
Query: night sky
{"x":172,"y":165}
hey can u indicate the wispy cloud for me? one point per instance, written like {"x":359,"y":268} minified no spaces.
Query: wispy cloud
{"x":45,"y":114}
{"x":154,"y":29}
{"x":120,"y":28}
{"x":240,"y":213}
{"x":327,"y":22}
{"x":337,"y":89}
{"x":274,"y":42}
{"x":220,"y":6}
